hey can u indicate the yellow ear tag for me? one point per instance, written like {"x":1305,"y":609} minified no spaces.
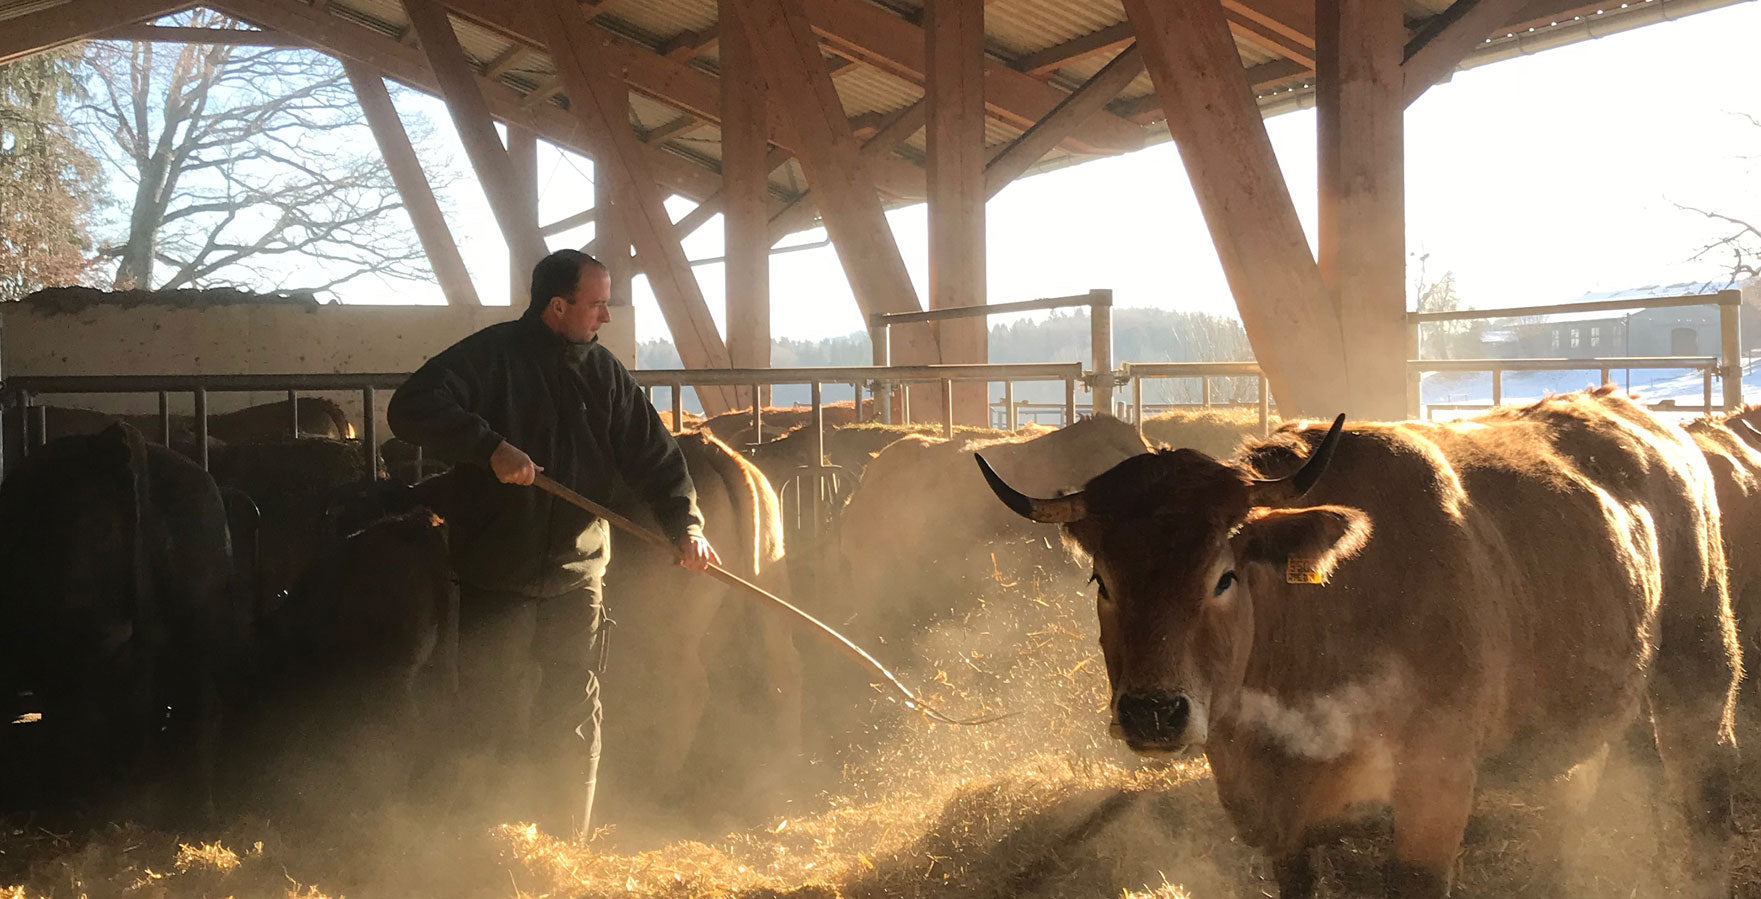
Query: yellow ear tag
{"x":1301,"y":570}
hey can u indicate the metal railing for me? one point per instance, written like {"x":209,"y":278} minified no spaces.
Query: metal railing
{"x":1708,"y":366}
{"x":1100,"y":323}
{"x":23,"y":392}
{"x":1727,"y":366}
{"x":1136,"y":373}
{"x":880,"y":380}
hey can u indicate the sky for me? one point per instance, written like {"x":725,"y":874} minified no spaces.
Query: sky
{"x":1533,"y":180}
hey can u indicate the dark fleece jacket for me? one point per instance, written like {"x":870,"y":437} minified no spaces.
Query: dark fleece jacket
{"x":577,"y":412}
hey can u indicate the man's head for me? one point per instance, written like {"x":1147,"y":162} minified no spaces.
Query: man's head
{"x":570,"y":292}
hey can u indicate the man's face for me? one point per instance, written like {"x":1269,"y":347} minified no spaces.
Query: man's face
{"x":579,"y":319}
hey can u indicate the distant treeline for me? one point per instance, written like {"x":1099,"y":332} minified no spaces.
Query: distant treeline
{"x":1139,"y":335}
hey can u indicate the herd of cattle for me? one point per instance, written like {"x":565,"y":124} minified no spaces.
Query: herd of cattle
{"x":1384,"y":614}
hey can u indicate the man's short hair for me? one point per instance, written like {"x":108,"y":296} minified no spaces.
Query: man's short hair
{"x":557,"y":275}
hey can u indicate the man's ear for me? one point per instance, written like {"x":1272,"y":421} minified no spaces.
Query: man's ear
{"x":1307,"y":543}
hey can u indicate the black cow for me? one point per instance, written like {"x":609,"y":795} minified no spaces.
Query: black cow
{"x":119,"y":621}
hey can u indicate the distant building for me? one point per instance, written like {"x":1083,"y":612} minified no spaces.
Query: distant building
{"x":1679,"y":331}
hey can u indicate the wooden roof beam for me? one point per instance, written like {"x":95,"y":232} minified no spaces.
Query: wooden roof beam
{"x":600,"y":100}
{"x":570,"y":222}
{"x":476,"y":128}
{"x":1192,"y":57}
{"x":1148,"y":108}
{"x":63,"y":24}
{"x":1293,"y":20}
{"x":1044,"y":63}
{"x":1270,"y":39}
{"x":666,"y":131}
{"x":408,"y":66}
{"x":794,"y":72}
{"x":412,"y":186}
{"x":1447,"y":39}
{"x":674,"y":83}
{"x":799,"y":212}
{"x":1015,"y":159}
{"x":691,"y":44}
{"x":879,"y":38}
{"x":503,"y":62}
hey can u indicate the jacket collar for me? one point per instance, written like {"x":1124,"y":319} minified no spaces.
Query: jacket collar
{"x":535,"y":331}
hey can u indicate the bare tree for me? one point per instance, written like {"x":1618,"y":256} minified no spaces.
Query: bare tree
{"x":248,"y":165}
{"x":1738,"y":234}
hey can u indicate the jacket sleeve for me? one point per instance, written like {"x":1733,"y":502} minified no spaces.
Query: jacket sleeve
{"x":650,"y":459}
{"x":433,"y":409}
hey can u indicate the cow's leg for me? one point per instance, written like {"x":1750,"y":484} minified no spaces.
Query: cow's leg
{"x":1699,"y":764}
{"x":497,"y":681}
{"x":677,"y":685}
{"x":783,"y":665}
{"x":1566,"y":798}
{"x":1295,"y":871}
{"x":1433,"y":796}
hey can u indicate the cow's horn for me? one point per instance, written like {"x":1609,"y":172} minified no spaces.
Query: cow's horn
{"x":1058,"y":510}
{"x":1266,"y":493}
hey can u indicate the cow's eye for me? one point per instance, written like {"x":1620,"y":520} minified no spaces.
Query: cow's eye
{"x":1100,"y":586}
{"x":1224,"y":583}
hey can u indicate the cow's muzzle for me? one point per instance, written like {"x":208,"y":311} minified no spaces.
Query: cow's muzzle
{"x":1156,"y":721}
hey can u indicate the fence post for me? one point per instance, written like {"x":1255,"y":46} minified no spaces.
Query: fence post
{"x":202,"y":426}
{"x":1707,"y":396}
{"x":1265,"y":406}
{"x":1009,"y":405}
{"x":164,"y":418}
{"x":1497,"y":386}
{"x":293,"y":415}
{"x":819,"y":472}
{"x":678,"y":392}
{"x":948,"y":408}
{"x":1414,"y":382}
{"x":1100,"y":321}
{"x":1730,"y":332}
{"x":1069,"y":401}
{"x":880,"y":340}
{"x":369,"y":434}
{"x":1137,"y":402}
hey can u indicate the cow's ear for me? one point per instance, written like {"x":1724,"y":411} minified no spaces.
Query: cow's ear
{"x":1306,"y":543}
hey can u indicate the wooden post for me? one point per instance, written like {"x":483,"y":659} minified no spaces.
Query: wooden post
{"x":470,"y":115}
{"x":1730,"y":331}
{"x":611,"y":239}
{"x":798,"y":83}
{"x":745,"y":194}
{"x":954,"y":32}
{"x":412,"y":185}
{"x":1100,"y":336}
{"x":596,"y":98}
{"x":523,"y":167}
{"x":1362,"y":232}
{"x":1195,"y":64}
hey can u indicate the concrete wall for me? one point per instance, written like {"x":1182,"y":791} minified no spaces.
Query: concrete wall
{"x":242,"y":338}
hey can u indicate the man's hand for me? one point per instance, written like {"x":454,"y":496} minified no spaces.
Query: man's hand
{"x":696,"y":554}
{"x":511,"y":466}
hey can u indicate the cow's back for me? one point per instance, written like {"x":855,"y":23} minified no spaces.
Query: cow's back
{"x":1518,"y":568}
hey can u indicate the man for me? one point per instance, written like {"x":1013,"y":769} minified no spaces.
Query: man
{"x":541,"y":394}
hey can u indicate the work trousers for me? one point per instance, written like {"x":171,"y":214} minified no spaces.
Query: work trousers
{"x":529,"y":686}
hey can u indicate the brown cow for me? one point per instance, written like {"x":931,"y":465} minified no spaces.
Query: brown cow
{"x":1533,"y":575}
{"x":735,"y":428}
{"x":1732,"y":446}
{"x":686,"y":650}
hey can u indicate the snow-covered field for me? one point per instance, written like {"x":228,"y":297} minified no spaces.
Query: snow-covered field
{"x":1683,"y":387}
